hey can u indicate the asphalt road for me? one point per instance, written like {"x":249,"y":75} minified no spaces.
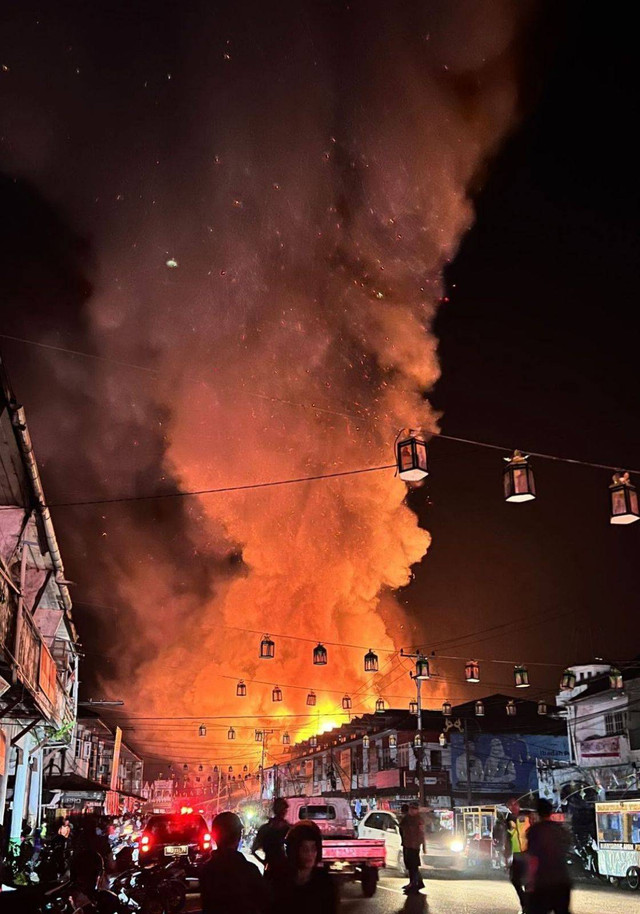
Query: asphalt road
{"x":469,"y":896}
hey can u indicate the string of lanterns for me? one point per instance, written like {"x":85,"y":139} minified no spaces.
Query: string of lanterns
{"x":517,"y":476}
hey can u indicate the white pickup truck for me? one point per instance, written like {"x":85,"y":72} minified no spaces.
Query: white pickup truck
{"x":343,"y":853}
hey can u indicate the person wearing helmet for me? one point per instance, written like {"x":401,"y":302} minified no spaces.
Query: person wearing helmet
{"x":304,"y":885}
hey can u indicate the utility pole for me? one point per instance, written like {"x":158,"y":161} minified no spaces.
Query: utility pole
{"x":263,"y":737}
{"x":421,"y":673}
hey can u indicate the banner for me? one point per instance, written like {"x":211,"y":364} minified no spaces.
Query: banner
{"x":497,"y":763}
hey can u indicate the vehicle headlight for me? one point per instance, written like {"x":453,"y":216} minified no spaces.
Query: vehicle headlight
{"x":457,"y":846}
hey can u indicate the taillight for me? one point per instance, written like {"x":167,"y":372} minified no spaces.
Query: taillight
{"x":206,"y":841}
{"x":144,"y":843}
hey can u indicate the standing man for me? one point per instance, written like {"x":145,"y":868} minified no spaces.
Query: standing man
{"x":412,"y":836}
{"x":549,"y":880}
{"x":517,"y":827}
{"x":229,"y":883}
{"x":270,"y":838}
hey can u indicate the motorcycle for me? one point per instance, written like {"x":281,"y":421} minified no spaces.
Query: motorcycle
{"x":151,"y":890}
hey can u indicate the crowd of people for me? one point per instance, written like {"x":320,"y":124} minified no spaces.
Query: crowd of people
{"x":292,"y":882}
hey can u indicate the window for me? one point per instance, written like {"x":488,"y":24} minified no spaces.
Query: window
{"x":610,"y":827}
{"x":615,"y":723}
{"x":388,"y":823}
{"x":319,"y":813}
{"x":375,"y":821}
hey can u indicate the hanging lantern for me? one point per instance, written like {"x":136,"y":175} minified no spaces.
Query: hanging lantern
{"x":286,"y":739}
{"x":200,"y":767}
{"x":313,"y":741}
{"x":393,"y":741}
{"x":209,"y":779}
{"x":230,"y":769}
{"x":245,"y":768}
{"x":241,"y":689}
{"x":442,"y":739}
{"x":615,"y":678}
{"x":568,"y":680}
{"x":542,"y":707}
{"x":311,"y":698}
{"x":258,"y":736}
{"x":231,"y":733}
{"x":215,"y":769}
{"x":411,"y":458}
{"x":233,"y":778}
{"x":370,"y":662}
{"x":446,"y":708}
{"x":366,"y":742}
{"x":320,"y":655}
{"x":185,"y":767}
{"x":202,"y":730}
{"x":521,"y":677}
{"x":511,"y":708}
{"x":479,"y":708}
{"x":422,"y":668}
{"x":346,"y":703}
{"x":276,"y":694}
{"x":380,"y":706}
{"x":472,"y":671}
{"x":519,"y":484}
{"x":413,"y":707}
{"x":267,"y":648}
{"x":417,"y":741}
{"x":624,"y":500}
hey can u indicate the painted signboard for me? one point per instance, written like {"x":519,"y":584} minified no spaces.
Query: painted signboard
{"x":497,"y":763}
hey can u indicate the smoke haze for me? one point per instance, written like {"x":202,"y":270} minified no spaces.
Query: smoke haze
{"x":271,"y":195}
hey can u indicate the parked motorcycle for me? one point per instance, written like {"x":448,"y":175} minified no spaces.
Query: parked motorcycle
{"x":151,"y":890}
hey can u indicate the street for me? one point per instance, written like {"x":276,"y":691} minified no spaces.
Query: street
{"x":468,"y":896}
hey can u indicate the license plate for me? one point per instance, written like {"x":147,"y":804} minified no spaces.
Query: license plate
{"x":177,"y":850}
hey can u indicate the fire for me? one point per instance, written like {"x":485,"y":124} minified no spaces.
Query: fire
{"x":311,"y":227}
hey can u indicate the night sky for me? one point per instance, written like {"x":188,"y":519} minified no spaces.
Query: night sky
{"x":537,"y":332}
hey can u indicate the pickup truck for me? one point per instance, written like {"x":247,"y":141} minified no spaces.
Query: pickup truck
{"x":343,"y":853}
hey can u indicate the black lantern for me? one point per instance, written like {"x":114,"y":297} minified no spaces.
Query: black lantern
{"x":417,"y":741}
{"x":442,"y":739}
{"x":511,"y":708}
{"x":185,"y":767}
{"x":380,"y":706}
{"x":346,"y":703}
{"x":320,"y":655}
{"x":366,"y":742}
{"x":200,"y":767}
{"x":521,"y":677}
{"x":276,"y":694}
{"x":202,"y":730}
{"x":245,"y":768}
{"x":230,"y":769}
{"x":313,"y":741}
{"x":411,"y":458}
{"x":568,"y":680}
{"x":393,"y":741}
{"x":286,"y":739}
{"x":231,"y":733}
{"x":422,"y":668}
{"x":241,"y":689}
{"x":479,"y":708}
{"x":311,"y":698}
{"x":267,"y":648}
{"x":615,"y":678}
{"x":413,"y":707}
{"x":472,"y":671}
{"x":370,"y":662}
{"x":519,"y":484}
{"x":446,"y":708}
{"x":215,"y":769}
{"x":258,"y":736}
{"x":624,"y":500}
{"x":542,"y":707}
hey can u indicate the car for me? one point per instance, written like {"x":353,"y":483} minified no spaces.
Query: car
{"x":444,"y":850}
{"x":174,"y":836}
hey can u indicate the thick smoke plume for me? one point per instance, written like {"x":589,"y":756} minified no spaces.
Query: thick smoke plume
{"x":280,"y":199}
